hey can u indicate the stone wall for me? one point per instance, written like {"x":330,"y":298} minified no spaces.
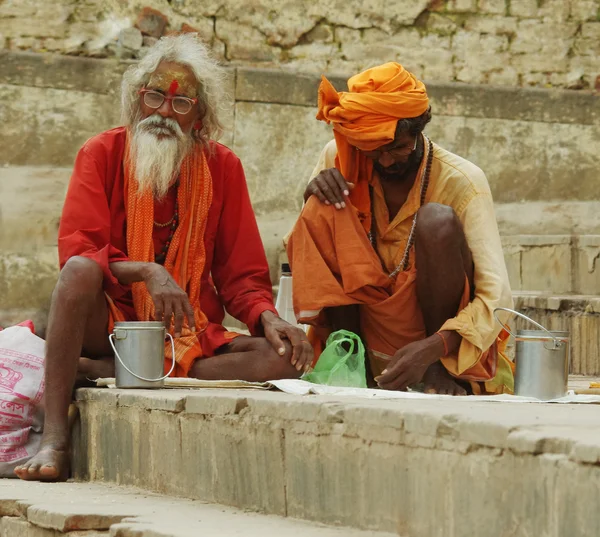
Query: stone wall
{"x":416,"y":468}
{"x":538,"y":148}
{"x":502,"y":42}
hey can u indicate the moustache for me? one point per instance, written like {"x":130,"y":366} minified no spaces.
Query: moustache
{"x":157,"y":124}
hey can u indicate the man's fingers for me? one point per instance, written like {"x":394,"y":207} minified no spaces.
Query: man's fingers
{"x":326,"y":190}
{"x":400,"y":383}
{"x":317,"y":192}
{"x":189,"y":313}
{"x":276,"y":342}
{"x":308,"y":355}
{"x":159,"y":309}
{"x":341,"y":184}
{"x":336,"y":189}
{"x":179,"y":316}
{"x":168,"y":312}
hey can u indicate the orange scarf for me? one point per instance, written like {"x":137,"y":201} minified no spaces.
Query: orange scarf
{"x":186,"y":256}
{"x":365,"y":118}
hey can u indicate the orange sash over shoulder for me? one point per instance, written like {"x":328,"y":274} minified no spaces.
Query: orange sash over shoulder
{"x":186,"y":256}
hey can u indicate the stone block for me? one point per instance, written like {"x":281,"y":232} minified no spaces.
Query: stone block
{"x":290,"y":154}
{"x":495,"y":25}
{"x":498,"y":7}
{"x":27,"y":279}
{"x":152,"y":22}
{"x":441,"y":24}
{"x":512,"y":257}
{"x":587,"y":43}
{"x":76,"y":517}
{"x":523,"y":8}
{"x":534,"y":52}
{"x":587,"y":271}
{"x":462,"y":6}
{"x":131,"y":39}
{"x":546,"y":265}
{"x":244,"y":42}
{"x":167,"y":401}
{"x":584,"y":10}
{"x":221,"y":404}
{"x":48,"y":126}
{"x":321,"y":33}
{"x":270,"y":86}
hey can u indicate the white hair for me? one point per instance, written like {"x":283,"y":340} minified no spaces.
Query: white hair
{"x":156,"y":160}
{"x":187,"y":50}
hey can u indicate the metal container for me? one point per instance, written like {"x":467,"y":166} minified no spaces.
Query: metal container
{"x":139,"y":349}
{"x":542,"y":361}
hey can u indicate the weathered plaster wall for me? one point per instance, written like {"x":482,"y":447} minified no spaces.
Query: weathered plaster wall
{"x":504,"y":42}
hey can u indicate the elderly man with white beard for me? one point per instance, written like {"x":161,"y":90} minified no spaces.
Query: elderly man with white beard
{"x":157,"y":225}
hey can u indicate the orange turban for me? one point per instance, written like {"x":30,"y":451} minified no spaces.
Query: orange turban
{"x":366,"y":116}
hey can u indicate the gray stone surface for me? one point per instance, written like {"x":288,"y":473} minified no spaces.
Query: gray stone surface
{"x":71,"y":508}
{"x":376,"y":465}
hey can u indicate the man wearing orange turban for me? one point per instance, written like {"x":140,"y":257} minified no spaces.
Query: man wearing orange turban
{"x":398,"y":242}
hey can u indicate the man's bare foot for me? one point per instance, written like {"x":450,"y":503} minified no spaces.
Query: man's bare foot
{"x":438,"y":380}
{"x":51,"y":463}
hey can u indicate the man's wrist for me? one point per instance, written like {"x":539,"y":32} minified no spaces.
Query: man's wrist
{"x":267,"y":316}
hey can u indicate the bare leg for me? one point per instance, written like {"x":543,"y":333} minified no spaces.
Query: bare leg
{"x":246,"y":358}
{"x":78,"y":319}
{"x":443,"y":259}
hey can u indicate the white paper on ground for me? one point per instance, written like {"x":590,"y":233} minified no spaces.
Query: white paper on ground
{"x":301,"y":387}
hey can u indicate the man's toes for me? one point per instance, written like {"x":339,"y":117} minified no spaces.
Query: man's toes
{"x":49,"y":471}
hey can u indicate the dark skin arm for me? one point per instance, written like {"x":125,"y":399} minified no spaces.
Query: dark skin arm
{"x":409,"y":364}
{"x":169,"y":299}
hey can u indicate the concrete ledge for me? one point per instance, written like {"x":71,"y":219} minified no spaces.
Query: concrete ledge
{"x":377,"y":465}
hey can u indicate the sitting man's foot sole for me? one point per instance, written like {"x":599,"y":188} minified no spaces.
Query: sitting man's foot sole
{"x":48,"y":464}
{"x":437,"y":380}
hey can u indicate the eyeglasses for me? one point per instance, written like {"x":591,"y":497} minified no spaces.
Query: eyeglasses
{"x":394,"y":152}
{"x":154,"y":99}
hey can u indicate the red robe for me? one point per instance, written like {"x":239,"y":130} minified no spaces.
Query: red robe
{"x":236,"y":274}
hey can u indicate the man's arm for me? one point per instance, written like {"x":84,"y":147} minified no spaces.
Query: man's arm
{"x":170,"y":301}
{"x":85,"y":222}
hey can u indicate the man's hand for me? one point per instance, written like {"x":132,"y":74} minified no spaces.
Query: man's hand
{"x":409,"y":364}
{"x":330,"y":187}
{"x":276,"y":330}
{"x":169,"y":299}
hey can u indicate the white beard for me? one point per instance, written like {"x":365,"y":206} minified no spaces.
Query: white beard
{"x":156,"y":161}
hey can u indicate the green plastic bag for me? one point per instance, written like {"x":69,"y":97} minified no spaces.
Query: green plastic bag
{"x":340,"y":367}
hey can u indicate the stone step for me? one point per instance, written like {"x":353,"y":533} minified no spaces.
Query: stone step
{"x":30,"y":509}
{"x":364,"y":463}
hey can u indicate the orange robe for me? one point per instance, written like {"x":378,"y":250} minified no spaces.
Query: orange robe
{"x":334,"y":264}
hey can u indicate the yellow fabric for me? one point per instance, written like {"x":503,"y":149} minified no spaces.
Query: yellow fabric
{"x":461,"y":185}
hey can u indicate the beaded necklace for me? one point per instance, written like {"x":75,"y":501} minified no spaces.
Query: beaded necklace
{"x":403,"y":265}
{"x":173,"y":223}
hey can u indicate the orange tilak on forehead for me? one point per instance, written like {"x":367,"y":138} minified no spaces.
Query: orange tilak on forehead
{"x":172,"y":82}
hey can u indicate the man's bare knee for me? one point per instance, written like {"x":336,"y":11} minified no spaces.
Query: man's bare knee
{"x":280,"y":367}
{"x":80,"y":279}
{"x":438,"y":226}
